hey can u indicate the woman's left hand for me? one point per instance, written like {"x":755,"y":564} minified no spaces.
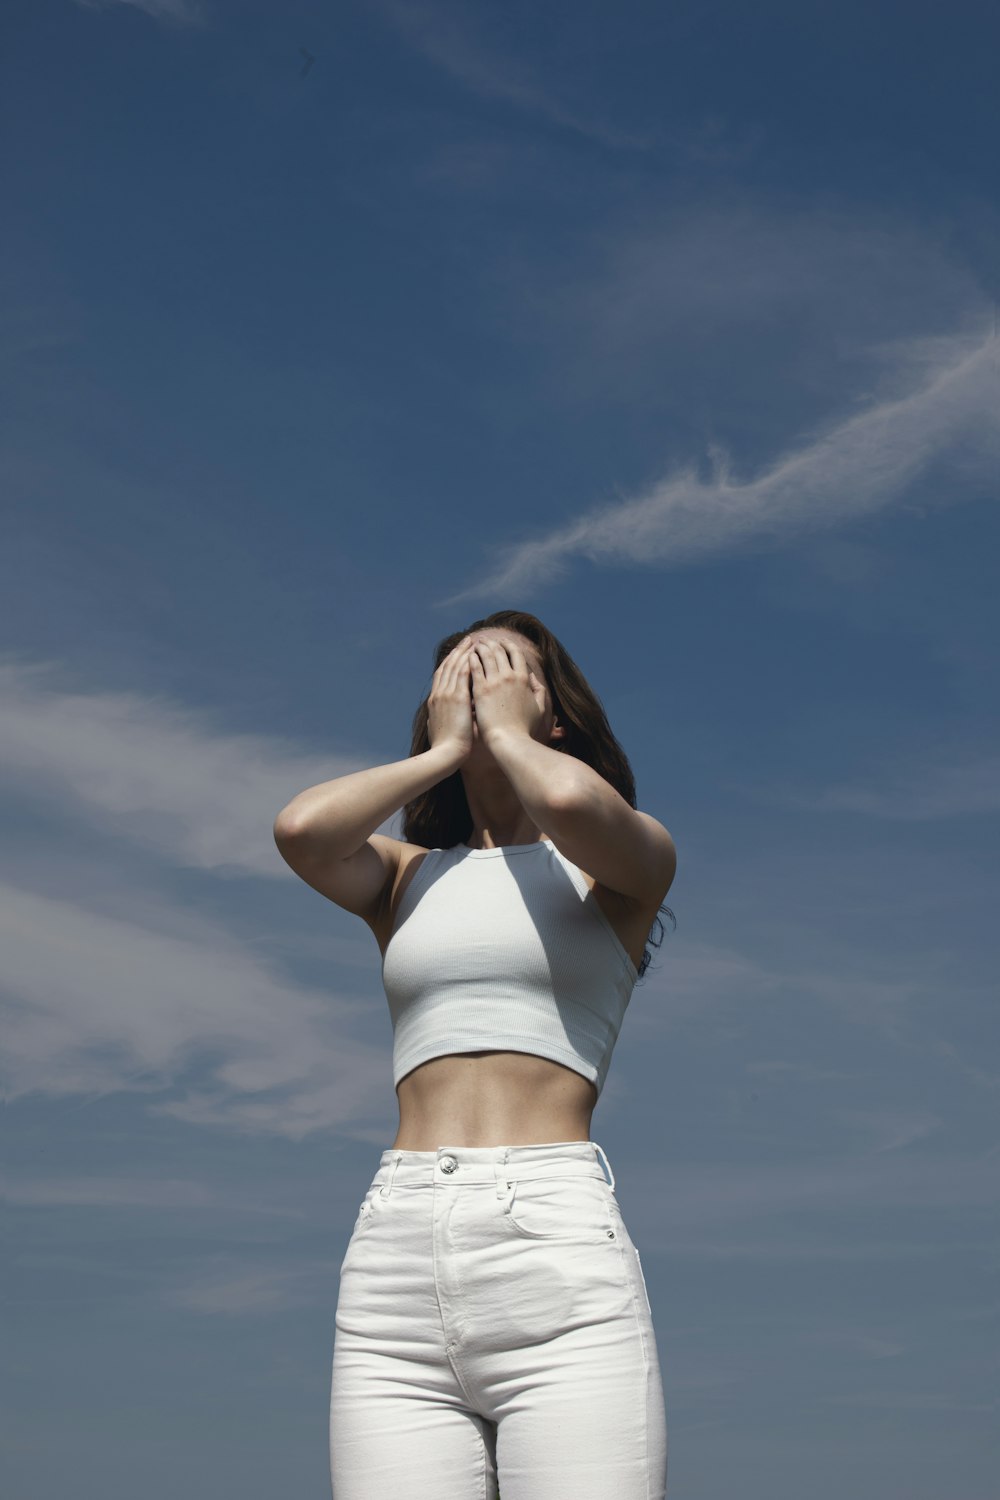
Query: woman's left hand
{"x":506,"y":693}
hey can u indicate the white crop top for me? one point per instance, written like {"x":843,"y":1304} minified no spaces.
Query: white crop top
{"x":505,"y":949}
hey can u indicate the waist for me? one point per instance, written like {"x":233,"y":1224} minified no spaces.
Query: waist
{"x":485,"y":1098}
{"x":457,"y":1166}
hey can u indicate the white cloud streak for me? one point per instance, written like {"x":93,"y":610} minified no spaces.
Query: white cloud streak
{"x":790,"y":1200}
{"x":700,"y":977}
{"x":177,"y":12}
{"x":100,"y":1004}
{"x":969,"y":786}
{"x":228,"y":1287}
{"x":445,"y":41}
{"x":892,"y":1130}
{"x":125,"y":992}
{"x":108,"y":1192}
{"x":855,"y":468}
{"x":160,"y":774}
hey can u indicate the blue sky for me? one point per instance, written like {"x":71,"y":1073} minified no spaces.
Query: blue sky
{"x":676,"y":327}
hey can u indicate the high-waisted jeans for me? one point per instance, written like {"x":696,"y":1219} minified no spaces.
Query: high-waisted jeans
{"x":493,"y":1325}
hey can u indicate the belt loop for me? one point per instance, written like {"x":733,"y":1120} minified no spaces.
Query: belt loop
{"x":386,"y":1187}
{"x":611,"y":1174}
{"x":500,"y":1169}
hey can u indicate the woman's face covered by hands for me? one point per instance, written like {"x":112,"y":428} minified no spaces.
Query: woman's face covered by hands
{"x":509,"y":694}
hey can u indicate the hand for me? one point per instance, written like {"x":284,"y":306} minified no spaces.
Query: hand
{"x":508,"y":696}
{"x":449,"y":703}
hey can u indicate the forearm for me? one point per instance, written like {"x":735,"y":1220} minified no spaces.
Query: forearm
{"x":337,"y":817}
{"x":548,"y":783}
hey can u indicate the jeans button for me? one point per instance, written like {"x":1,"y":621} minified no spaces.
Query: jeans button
{"x":448,"y":1164}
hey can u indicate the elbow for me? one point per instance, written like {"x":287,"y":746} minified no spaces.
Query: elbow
{"x":286,"y":827}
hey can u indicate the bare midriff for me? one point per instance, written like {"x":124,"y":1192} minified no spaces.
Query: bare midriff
{"x":492,"y":1099}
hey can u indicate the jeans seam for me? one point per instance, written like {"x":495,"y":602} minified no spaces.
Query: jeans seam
{"x":624,"y":1250}
{"x":481,"y":1427}
{"x":451,"y":1354}
{"x":482,"y":1444}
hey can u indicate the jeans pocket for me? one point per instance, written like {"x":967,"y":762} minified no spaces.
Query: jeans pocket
{"x":366,"y":1212}
{"x":560,"y":1208}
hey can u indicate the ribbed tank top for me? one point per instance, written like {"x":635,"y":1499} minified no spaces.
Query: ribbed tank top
{"x":505,"y":949}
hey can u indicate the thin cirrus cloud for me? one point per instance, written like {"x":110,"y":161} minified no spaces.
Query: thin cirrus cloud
{"x":706,"y":1198}
{"x":891,"y":1129}
{"x":854,"y":468}
{"x":919,"y":1401}
{"x":965,"y":787}
{"x":447,"y":43}
{"x":178,"y":12}
{"x":109,"y":1192}
{"x":228,"y":1287}
{"x":97,"y":1003}
{"x":121,"y":992}
{"x":153,"y":771}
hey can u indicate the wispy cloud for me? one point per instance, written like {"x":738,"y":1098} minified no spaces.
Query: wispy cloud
{"x":701,"y":978}
{"x":797,"y":1203}
{"x":856,"y":467}
{"x":108,"y":1192}
{"x":892,"y":1130}
{"x":123,"y":989}
{"x":444,"y":38}
{"x":97,"y":1004}
{"x":779,"y":1067}
{"x":910,"y":793}
{"x":153,"y":771}
{"x":228,"y":1287}
{"x":179,"y":12}
{"x":917,"y":1401}
{"x":859,"y":1340}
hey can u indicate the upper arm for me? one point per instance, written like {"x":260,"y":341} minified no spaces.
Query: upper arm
{"x":627,"y":851}
{"x":359,"y":883}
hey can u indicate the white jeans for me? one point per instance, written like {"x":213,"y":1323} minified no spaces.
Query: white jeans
{"x":493,"y":1324}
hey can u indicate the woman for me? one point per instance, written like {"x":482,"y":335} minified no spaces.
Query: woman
{"x":493,"y":1318}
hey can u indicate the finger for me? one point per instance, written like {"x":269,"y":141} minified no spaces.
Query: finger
{"x":487,"y":655}
{"x":464,"y":675}
{"x":457,"y":660}
{"x":442,"y":666}
{"x":447,"y":670}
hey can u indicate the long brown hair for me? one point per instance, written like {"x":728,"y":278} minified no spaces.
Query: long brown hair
{"x":440,"y":817}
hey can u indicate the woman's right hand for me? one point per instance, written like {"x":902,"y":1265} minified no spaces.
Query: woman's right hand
{"x":449,"y":703}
